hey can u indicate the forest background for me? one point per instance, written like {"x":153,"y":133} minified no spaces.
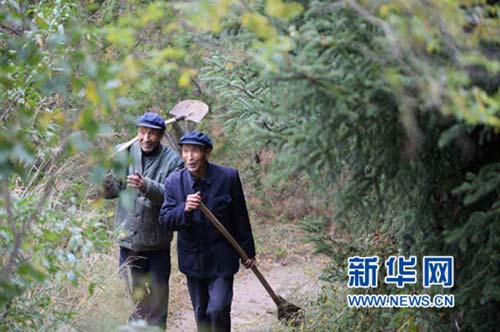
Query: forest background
{"x":379,"y":120}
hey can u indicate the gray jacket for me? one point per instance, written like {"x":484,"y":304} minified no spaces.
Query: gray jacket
{"x":137,"y":212}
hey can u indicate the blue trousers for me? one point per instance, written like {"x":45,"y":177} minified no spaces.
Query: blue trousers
{"x":146,"y":274}
{"x":211,"y":299}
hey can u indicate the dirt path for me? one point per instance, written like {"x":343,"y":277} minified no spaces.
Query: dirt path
{"x":253,"y":309}
{"x":285,"y":261}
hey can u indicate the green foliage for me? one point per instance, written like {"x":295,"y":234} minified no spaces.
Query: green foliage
{"x":50,"y":259}
{"x":449,"y":71}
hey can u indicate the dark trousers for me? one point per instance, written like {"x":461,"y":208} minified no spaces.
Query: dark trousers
{"x":211,"y":299}
{"x":146,"y":275}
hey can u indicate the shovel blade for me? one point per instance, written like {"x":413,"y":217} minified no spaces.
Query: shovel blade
{"x":192,"y":110}
{"x":290,"y":313}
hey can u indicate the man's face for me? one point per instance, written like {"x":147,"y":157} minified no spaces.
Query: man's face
{"x":195,"y":158}
{"x":149,"y":138}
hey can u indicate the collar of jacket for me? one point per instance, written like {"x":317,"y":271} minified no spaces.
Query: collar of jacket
{"x":206,"y":180}
{"x":137,"y":153}
{"x":153,"y":153}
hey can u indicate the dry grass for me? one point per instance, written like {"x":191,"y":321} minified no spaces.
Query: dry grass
{"x":109,"y":307}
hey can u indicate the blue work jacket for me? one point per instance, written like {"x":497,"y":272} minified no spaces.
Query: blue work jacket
{"x":203,"y":252}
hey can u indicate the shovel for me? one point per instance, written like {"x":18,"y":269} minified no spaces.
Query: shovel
{"x":287,"y":312}
{"x":189,"y":109}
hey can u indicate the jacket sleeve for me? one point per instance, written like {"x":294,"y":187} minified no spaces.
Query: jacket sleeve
{"x":154,"y":191}
{"x":242,"y":228}
{"x":113,"y":185}
{"x":172,"y":215}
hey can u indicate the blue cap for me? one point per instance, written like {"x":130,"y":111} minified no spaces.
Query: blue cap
{"x":151,"y":120}
{"x":195,"y":138}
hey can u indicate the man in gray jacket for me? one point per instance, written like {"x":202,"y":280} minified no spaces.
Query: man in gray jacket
{"x":144,"y":246}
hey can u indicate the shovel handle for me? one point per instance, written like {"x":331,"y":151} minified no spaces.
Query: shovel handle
{"x":176,"y":119}
{"x":125,"y":146}
{"x":240,"y":251}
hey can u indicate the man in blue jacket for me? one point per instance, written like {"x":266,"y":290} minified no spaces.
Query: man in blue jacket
{"x":205,"y":257}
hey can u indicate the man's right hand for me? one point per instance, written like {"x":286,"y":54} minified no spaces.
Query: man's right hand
{"x":108,"y":180}
{"x":192,"y":202}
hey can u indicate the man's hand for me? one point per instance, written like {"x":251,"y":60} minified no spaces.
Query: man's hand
{"x":249,"y":263}
{"x":192,"y":202}
{"x":108,"y":180}
{"x":136,"y":181}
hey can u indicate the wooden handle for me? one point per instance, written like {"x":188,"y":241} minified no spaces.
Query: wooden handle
{"x":240,"y":251}
{"x":125,"y":146}
{"x":176,"y":119}
{"x":266,"y":285}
